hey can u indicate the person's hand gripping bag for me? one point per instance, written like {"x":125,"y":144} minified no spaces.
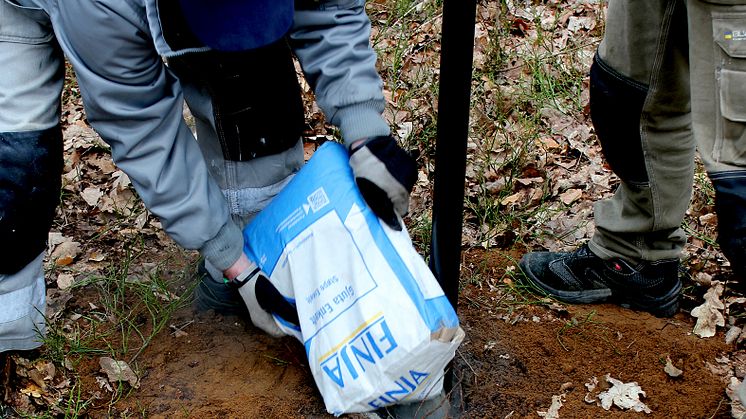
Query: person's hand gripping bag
{"x":376,"y":326}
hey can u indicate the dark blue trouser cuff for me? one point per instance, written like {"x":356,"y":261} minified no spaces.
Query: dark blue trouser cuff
{"x":730,"y":204}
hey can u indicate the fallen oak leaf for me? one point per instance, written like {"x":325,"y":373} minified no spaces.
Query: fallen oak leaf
{"x":118,"y":371}
{"x":671,"y":370}
{"x":83,"y":137}
{"x":104,"y":164}
{"x":570,"y":196}
{"x":91,"y":195}
{"x":553,"y":411}
{"x":529,"y":181}
{"x":37,"y":377}
{"x":141,"y":220}
{"x":735,"y":391}
{"x":623,"y":395}
{"x":513,"y":199}
{"x":65,"y":253}
{"x":121,"y":180}
{"x":708,"y":314}
{"x":733,"y":333}
{"x":708,"y":219}
{"x":549,"y":143}
{"x":703,"y":278}
{"x":576,"y":23}
{"x":55,"y":238}
{"x":65,"y":281}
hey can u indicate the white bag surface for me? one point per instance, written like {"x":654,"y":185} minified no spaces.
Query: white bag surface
{"x":376,"y":326}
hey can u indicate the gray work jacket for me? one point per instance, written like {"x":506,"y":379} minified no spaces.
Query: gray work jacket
{"x":134,"y":101}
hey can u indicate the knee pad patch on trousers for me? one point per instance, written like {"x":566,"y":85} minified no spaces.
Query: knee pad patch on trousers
{"x":30,"y":169}
{"x":256,"y":98}
{"x":616,"y":106}
{"x":730,"y":205}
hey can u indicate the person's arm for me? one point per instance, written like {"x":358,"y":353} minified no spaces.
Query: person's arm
{"x":332,"y":42}
{"x":135,"y":103}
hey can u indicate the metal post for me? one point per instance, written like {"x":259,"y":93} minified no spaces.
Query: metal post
{"x":457,"y":53}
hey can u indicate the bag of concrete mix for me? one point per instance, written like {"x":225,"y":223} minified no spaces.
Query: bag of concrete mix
{"x":375,"y":323}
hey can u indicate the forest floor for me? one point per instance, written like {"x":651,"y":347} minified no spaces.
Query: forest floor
{"x":119,"y":288}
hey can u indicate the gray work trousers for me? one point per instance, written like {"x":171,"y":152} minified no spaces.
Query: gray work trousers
{"x":669,"y":77}
{"x":30,"y":87}
{"x":31,"y":80}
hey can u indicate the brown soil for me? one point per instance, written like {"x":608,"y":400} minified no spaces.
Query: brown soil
{"x":515,"y":362}
{"x":510,"y":365}
{"x":222,"y":368}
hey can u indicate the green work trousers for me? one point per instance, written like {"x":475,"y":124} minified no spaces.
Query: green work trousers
{"x":669,"y":77}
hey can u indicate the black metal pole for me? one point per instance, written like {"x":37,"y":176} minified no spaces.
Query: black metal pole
{"x":456,"y":55}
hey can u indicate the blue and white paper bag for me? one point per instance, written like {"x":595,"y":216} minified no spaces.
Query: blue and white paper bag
{"x":376,"y":326}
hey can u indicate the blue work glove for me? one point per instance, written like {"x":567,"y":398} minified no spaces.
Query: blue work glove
{"x":262,"y":300}
{"x":385,"y":175}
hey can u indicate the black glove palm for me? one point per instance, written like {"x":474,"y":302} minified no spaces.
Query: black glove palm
{"x":385,"y":175}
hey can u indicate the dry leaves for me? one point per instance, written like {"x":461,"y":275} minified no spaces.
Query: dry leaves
{"x":65,"y":281}
{"x":709,"y":315}
{"x":91,"y":195}
{"x":118,"y":371}
{"x":625,"y":396}
{"x":553,"y":411}
{"x":40,"y":381}
{"x":736,"y":393}
{"x":570,"y":196}
{"x":65,"y":253}
{"x":671,"y":369}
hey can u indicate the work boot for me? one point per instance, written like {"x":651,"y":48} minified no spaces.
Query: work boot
{"x":581,"y":277}
{"x":437,"y":407}
{"x":217,"y":296}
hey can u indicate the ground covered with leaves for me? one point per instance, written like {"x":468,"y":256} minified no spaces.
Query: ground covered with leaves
{"x":124,"y":341}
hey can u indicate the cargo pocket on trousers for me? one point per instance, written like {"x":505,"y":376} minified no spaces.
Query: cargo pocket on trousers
{"x":729,"y":32}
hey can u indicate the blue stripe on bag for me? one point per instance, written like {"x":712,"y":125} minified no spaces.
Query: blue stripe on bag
{"x":436,"y":312}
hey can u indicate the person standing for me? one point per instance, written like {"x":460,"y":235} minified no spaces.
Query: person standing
{"x":669,"y":76}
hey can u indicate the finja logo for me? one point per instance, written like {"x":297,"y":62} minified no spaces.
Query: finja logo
{"x":402,"y":387}
{"x":373,"y":343}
